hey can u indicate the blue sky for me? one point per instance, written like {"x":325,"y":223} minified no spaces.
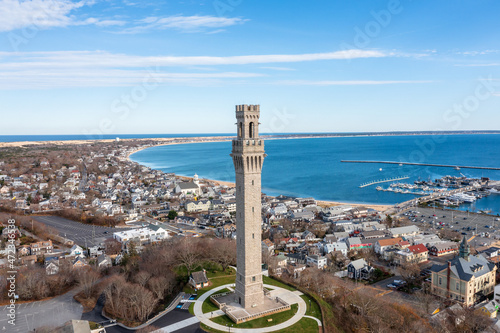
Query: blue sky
{"x":111,"y":67}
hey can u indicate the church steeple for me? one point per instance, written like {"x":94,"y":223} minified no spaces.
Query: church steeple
{"x":464,"y":250}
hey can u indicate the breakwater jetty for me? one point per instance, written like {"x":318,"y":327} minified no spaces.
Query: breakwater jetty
{"x":426,"y":164}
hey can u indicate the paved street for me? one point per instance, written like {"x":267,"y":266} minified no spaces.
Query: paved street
{"x":52,"y":313}
{"x":81,"y":234}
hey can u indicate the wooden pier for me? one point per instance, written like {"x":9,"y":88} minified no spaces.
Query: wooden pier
{"x":427,"y":164}
{"x":383,"y":181}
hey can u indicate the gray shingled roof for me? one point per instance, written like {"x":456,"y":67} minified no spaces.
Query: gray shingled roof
{"x":187,"y":185}
{"x":199,"y":277}
{"x":465,"y":269}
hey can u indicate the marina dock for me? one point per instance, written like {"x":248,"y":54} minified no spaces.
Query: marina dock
{"x":427,"y":164}
{"x":383,"y":181}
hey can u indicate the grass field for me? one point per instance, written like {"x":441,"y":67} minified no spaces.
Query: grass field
{"x":313,"y":308}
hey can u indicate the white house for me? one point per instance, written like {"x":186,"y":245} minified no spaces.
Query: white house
{"x":316,"y":261}
{"x":76,"y":250}
{"x":336,"y":246}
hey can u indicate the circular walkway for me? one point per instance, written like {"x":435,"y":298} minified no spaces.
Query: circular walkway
{"x":289,"y":296}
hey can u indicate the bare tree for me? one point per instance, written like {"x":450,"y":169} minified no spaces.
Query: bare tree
{"x":187,"y":255}
{"x":225,"y":253}
{"x":410,"y":272}
{"x":87,"y":278}
{"x":142,"y":278}
{"x":112,"y":246}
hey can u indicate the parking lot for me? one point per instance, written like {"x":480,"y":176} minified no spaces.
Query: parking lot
{"x":82,"y":234}
{"x":51,"y":313}
{"x":488,"y":228}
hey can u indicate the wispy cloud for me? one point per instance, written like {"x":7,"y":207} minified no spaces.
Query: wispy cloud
{"x":194,"y":23}
{"x":108,"y":78}
{"x":278,"y":68}
{"x":45,"y":14}
{"x":476,"y":53}
{"x":94,"y":59}
{"x":99,"y":68}
{"x":346,"y":83}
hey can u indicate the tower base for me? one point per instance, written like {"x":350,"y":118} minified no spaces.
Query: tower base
{"x":228,"y":302}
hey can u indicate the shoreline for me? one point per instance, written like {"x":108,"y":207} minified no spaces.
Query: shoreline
{"x":13,"y":144}
{"x":322,"y":203}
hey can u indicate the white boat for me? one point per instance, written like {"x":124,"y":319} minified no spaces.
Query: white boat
{"x":493,"y":190}
{"x":463,"y":197}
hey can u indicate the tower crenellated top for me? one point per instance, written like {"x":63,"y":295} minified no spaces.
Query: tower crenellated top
{"x":247,"y":108}
{"x":247,"y":117}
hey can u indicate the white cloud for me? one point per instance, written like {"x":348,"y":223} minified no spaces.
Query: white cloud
{"x":278,"y":68}
{"x":475,"y":53}
{"x":479,"y":65}
{"x":93,"y":59}
{"x":345,"y":83}
{"x":183,"y":23}
{"x":29,"y":79}
{"x":99,"y":68}
{"x":44,"y":14}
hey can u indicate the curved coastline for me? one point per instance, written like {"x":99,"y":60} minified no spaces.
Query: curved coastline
{"x":323,"y":203}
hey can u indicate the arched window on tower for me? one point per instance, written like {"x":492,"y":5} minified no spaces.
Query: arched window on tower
{"x":240,"y":129}
{"x":251,"y":130}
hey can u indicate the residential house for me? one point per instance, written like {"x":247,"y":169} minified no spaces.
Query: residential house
{"x":336,"y":246}
{"x":359,"y":270}
{"x":79,"y":262}
{"x":76,"y":250}
{"x":382,"y":245}
{"x":277,"y":264}
{"x":41,"y":247}
{"x":420,"y":253}
{"x":52,"y":267}
{"x":28,"y":260}
{"x":316,"y":261}
{"x":199,"y":280}
{"x":267,"y":246}
{"x":197,"y":206}
{"x":104,"y":261}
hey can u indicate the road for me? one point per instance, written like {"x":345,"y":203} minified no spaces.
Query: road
{"x":81,"y":234}
{"x":52,"y":313}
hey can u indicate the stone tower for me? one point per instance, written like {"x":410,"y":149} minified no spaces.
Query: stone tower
{"x":248,"y":157}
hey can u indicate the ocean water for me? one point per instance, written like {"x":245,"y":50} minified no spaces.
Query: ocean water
{"x":313,"y":168}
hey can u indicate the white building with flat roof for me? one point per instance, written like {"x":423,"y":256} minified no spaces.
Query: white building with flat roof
{"x":150,"y":234}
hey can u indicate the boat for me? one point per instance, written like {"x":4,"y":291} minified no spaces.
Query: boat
{"x":379,"y":188}
{"x":494,"y":191}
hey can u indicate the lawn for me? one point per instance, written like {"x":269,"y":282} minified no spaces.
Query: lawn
{"x":313,"y":308}
{"x":271,"y":281}
{"x":277,"y":318}
{"x":305,"y":325}
{"x":208,"y":306}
